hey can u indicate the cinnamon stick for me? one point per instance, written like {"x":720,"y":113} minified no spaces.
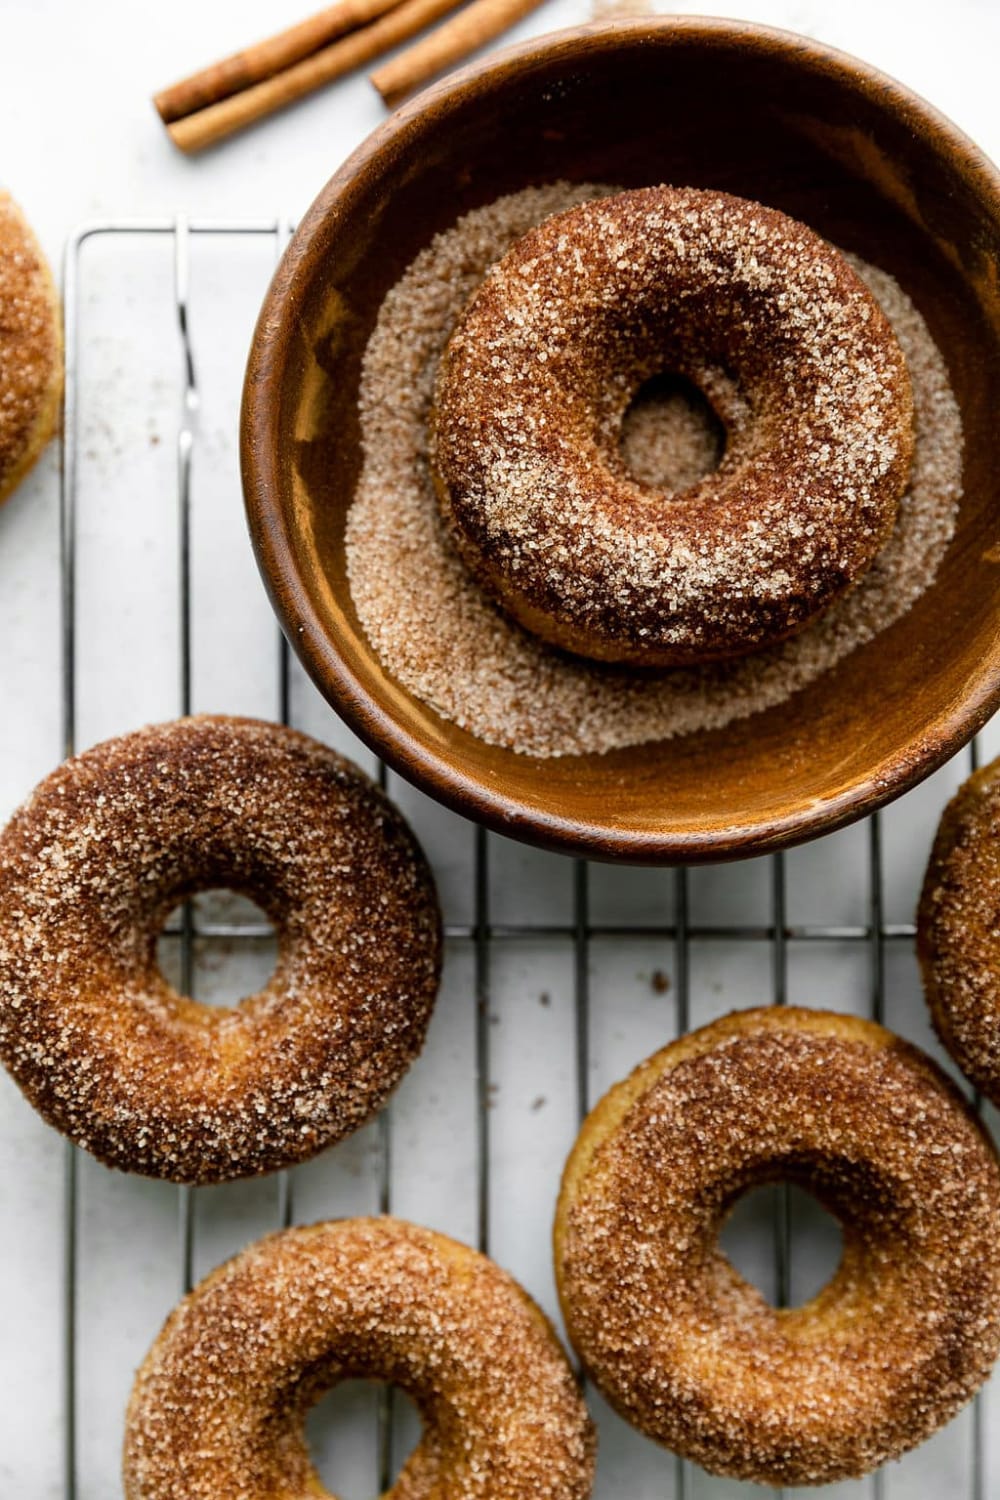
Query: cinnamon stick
{"x":477,"y":24}
{"x":207,"y":126}
{"x":264,"y":59}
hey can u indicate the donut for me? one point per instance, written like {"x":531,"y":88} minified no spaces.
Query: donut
{"x":692,"y":1354}
{"x":789,"y":347}
{"x":958,"y":931}
{"x":31,"y":357}
{"x":147,"y":1079}
{"x":219,"y":1404}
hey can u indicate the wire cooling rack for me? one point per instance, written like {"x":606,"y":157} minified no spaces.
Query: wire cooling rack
{"x":562,"y":973}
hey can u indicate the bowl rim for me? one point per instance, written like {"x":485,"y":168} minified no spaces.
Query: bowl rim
{"x":898,"y":772}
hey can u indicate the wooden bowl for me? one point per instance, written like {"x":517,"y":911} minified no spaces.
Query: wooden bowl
{"x":689,"y":101}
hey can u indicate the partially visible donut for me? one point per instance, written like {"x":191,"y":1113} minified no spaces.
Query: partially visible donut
{"x":219,"y":1404}
{"x":958,"y":930}
{"x":147,"y":1079}
{"x":778,"y":332}
{"x":690,"y":1352}
{"x":31,"y":356}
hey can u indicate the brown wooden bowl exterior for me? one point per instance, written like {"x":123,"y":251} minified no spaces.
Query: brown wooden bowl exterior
{"x":706,"y":103}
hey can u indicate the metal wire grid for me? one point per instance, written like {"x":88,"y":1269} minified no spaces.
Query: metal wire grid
{"x":481,"y":932}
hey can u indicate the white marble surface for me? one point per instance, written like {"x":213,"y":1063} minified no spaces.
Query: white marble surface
{"x":81,"y":143}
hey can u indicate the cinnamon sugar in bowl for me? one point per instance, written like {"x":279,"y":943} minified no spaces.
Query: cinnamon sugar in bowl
{"x":753,"y":112}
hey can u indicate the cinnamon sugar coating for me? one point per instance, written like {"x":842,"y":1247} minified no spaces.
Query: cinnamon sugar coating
{"x":958,"y":932}
{"x":218,"y":1406}
{"x":778,"y":331}
{"x":443,"y":640}
{"x":31,"y":358}
{"x":147,"y":1079}
{"x":691,"y":1353}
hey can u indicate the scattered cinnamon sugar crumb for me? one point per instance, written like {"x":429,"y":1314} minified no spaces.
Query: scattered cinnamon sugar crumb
{"x":445,"y":642}
{"x":659,"y":982}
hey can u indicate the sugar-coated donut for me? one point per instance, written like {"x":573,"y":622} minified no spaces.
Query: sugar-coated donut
{"x":147,"y":1079}
{"x":958,"y":930}
{"x":218,"y":1407}
{"x":691,"y":1353}
{"x":31,"y":356}
{"x":784,"y":339}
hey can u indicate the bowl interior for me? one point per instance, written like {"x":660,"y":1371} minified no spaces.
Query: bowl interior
{"x":693,"y":103}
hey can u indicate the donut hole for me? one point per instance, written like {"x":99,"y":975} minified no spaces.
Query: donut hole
{"x":234,"y":948}
{"x":750,"y":1239}
{"x":343,"y":1432}
{"x":671,"y":437}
